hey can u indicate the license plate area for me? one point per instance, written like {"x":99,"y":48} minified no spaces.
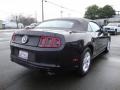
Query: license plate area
{"x":23,"y":54}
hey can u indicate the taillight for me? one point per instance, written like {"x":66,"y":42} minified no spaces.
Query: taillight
{"x":49,"y":42}
{"x":13,"y":37}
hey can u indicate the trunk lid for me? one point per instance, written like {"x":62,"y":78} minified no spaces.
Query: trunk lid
{"x":33,"y":36}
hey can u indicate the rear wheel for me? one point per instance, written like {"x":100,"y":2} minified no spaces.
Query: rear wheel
{"x":85,"y":62}
{"x":115,"y":33}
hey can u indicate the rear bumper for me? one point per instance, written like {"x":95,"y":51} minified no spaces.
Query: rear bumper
{"x":48,"y":60}
{"x":33,"y":65}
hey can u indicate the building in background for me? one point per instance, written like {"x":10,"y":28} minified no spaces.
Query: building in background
{"x":105,"y":21}
{"x":11,"y":25}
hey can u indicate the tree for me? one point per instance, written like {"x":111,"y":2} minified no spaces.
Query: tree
{"x":95,"y":12}
{"x":22,"y":19}
{"x":100,"y":13}
{"x":26,"y":20}
{"x":14,"y":19}
{"x":108,"y":11}
{"x":92,"y":12}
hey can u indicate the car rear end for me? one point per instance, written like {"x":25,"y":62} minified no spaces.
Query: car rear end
{"x":43,"y":50}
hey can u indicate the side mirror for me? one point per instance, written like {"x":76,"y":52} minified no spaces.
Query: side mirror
{"x":105,"y":32}
{"x":100,"y":30}
{"x":101,"y":26}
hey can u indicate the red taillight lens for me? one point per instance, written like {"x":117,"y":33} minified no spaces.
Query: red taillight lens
{"x":13,"y":37}
{"x":49,"y":42}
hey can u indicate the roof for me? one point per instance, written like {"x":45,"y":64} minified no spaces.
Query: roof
{"x":83,"y":22}
{"x":71,"y":18}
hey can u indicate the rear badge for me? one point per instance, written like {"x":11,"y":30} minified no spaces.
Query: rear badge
{"x":24,"y":39}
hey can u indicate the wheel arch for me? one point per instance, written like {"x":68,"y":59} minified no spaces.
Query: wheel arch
{"x":115,"y":29}
{"x":91,"y":47}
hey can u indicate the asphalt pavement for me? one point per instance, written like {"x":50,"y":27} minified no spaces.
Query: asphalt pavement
{"x":104,"y":74}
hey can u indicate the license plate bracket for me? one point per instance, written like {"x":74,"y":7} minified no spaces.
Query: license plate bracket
{"x":23,"y":54}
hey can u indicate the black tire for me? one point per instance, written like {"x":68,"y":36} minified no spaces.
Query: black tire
{"x":81,"y":71}
{"x":107,"y":49}
{"x":115,"y":33}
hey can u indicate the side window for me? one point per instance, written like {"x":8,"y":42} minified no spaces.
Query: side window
{"x":94,"y":26}
{"x":89,"y":28}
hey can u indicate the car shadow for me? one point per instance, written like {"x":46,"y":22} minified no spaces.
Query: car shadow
{"x":36,"y":80}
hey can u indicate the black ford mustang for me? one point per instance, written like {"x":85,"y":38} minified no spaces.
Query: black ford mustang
{"x":60,"y":44}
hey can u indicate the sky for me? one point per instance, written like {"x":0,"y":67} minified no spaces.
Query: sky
{"x":75,"y":8}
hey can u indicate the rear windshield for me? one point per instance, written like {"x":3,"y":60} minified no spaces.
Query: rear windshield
{"x":65,"y":24}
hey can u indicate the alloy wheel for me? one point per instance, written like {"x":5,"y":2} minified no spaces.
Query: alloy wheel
{"x":86,"y":61}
